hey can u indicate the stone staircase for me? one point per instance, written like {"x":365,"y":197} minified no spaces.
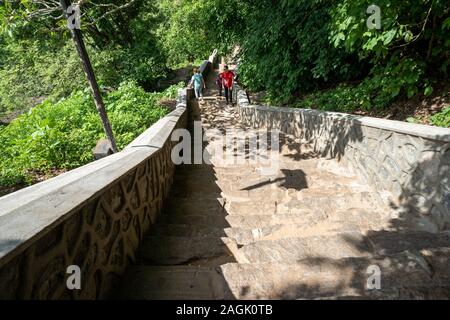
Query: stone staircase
{"x":308,"y":231}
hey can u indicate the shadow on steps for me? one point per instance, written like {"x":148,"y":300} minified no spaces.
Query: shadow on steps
{"x":176,"y":258}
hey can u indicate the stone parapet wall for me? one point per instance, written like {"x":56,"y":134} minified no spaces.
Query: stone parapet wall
{"x":94,"y":217}
{"x":411,"y":161}
{"x":206,"y":66}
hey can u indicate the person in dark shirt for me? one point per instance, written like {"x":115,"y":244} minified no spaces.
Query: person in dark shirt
{"x":219,"y":81}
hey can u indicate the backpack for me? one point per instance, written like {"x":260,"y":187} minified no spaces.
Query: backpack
{"x":219,"y":80}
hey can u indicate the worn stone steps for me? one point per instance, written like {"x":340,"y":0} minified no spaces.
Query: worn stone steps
{"x":242,"y":221}
{"x":243,"y":236}
{"x":291,"y":250}
{"x":172,"y":283}
{"x":341,"y":245}
{"x":280,"y":202}
{"x":207,"y":171}
{"x":352,"y":221}
{"x":321,"y":200}
{"x":239,"y":235}
{"x":204,"y":205}
{"x":248,"y":178}
{"x":403,"y":276}
{"x":175,"y":250}
{"x":308,"y":230}
{"x":303,"y":221}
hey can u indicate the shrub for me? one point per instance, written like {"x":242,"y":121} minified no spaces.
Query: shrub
{"x":62,"y":135}
{"x":441,"y":119}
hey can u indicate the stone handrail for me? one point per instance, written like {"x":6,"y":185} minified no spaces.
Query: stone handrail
{"x":411,"y":161}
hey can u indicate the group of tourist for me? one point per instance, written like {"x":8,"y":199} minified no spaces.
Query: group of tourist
{"x":224,"y":81}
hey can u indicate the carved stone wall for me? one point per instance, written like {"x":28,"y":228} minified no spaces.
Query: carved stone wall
{"x":101,"y":233}
{"x":411,"y":161}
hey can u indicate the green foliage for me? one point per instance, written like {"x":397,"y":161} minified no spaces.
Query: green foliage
{"x":411,"y":46}
{"x":287,"y":48}
{"x":293,"y":48}
{"x":39,"y":59}
{"x":345,"y":98}
{"x":191,"y":29}
{"x":41,"y":75}
{"x":62,"y":135}
{"x":441,"y":119}
{"x":32,"y":73}
{"x":183,"y":34}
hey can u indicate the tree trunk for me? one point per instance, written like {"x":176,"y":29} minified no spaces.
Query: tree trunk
{"x":81,"y":49}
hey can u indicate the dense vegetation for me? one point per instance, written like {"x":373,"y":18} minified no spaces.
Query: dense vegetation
{"x":39,"y":59}
{"x":321,"y":54}
{"x":62,"y":135}
{"x":41,"y":77}
{"x":313,"y":45}
{"x":302,"y":53}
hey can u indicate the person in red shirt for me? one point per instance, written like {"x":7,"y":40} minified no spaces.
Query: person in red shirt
{"x":227,"y":81}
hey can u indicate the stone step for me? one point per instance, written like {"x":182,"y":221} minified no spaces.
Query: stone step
{"x":307,"y":219}
{"x":200,"y":190}
{"x":403,"y":276}
{"x":163,"y":250}
{"x":214,"y":204}
{"x":185,"y":230}
{"x":201,"y":205}
{"x":172,"y":283}
{"x":385,"y":242}
{"x":206,"y":248}
{"x":195,"y":171}
{"x":326,"y":200}
{"x":357,"y":219}
{"x":191,"y":246}
{"x":246,"y":206}
{"x":247,"y":176}
{"x":291,"y":250}
{"x":341,"y":245}
{"x":324,"y":172}
{"x":344,"y":222}
{"x":244,"y":236}
{"x":304,"y":220}
{"x":290,"y":177}
{"x":288,"y":187}
{"x":290,"y":231}
{"x":239,"y":235}
{"x":267,"y":192}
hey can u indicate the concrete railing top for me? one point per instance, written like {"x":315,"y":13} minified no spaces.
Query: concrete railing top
{"x":419,"y":130}
{"x":27,"y":212}
{"x":204,"y":66}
